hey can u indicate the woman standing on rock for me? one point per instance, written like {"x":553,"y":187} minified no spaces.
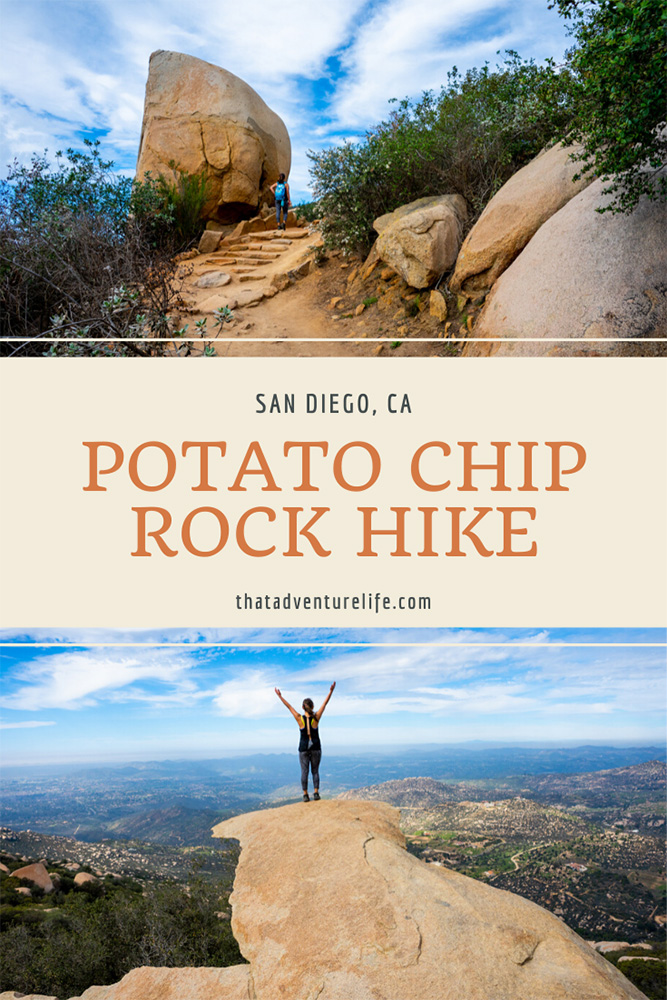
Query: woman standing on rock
{"x":310,"y":749}
{"x":282,"y":196}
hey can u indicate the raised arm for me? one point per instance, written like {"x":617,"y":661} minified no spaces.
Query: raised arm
{"x":318,"y":714}
{"x":287,"y":705}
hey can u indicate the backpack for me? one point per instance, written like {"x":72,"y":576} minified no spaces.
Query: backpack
{"x":281,"y":192}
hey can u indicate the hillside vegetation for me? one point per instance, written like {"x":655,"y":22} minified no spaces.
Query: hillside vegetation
{"x":62,"y":942}
{"x":484,"y":124}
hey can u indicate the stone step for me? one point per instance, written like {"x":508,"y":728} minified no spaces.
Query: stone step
{"x":266,"y":258}
{"x":260,"y":248}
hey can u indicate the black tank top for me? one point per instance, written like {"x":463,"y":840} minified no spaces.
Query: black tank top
{"x":314,"y":735}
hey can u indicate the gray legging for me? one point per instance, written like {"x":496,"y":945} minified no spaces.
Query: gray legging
{"x":310,"y":758}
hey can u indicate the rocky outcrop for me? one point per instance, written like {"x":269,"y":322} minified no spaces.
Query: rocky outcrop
{"x":583,"y":274}
{"x":420,"y":241}
{"x":37,"y":874}
{"x":513,"y":216}
{"x":204,"y":119}
{"x":168,"y":984}
{"x":327,"y":903}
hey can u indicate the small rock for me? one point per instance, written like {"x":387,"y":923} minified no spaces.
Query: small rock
{"x":403,"y":330}
{"x":213,"y":280}
{"x":23,"y":890}
{"x":387,"y":273}
{"x":334,"y":301}
{"x":360,"y":308}
{"x":210,"y":241}
{"x":343,"y":266}
{"x":438,"y":306}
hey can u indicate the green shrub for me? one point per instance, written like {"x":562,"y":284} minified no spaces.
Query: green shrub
{"x":620,"y":94}
{"x":85,"y":253}
{"x":307,"y":211}
{"x":467,"y":139}
{"x":171,"y":207}
{"x":96,"y":941}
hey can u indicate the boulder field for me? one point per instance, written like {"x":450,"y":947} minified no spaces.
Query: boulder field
{"x":329,"y":905}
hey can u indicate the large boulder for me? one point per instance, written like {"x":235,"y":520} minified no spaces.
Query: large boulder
{"x":583,"y":274}
{"x":83,"y":877}
{"x":327,"y":903}
{"x":204,"y":119}
{"x":420,"y":241}
{"x":513,"y":216}
{"x":37,"y":874}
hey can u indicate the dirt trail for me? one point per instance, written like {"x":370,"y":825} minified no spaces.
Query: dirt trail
{"x":280,"y":287}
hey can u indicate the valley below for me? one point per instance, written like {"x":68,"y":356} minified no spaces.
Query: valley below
{"x":558,"y":827}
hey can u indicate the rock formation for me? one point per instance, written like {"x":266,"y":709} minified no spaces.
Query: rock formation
{"x":328,"y":905}
{"x":583,"y":274}
{"x":513,"y":216}
{"x":167,"y":984}
{"x":37,"y":874}
{"x":204,"y":119}
{"x":420,"y":241}
{"x":84,"y":877}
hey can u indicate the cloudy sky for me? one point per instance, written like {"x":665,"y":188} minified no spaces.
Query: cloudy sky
{"x":195,"y":697}
{"x":75,"y":68}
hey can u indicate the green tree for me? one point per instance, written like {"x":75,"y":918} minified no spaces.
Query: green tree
{"x":620,"y":93}
{"x":468,"y":138}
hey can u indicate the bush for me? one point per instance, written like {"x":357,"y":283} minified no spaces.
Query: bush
{"x":467,"y":139}
{"x":620,"y":92}
{"x":307,"y":211}
{"x":170,"y":210}
{"x":85,"y":253}
{"x":97,"y":941}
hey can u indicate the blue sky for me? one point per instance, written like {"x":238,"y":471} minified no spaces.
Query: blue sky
{"x":115,"y":702}
{"x":75,"y":68}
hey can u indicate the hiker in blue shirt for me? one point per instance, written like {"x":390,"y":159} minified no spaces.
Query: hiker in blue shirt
{"x":281,"y":192}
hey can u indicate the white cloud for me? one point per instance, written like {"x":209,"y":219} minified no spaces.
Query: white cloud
{"x":24,"y":725}
{"x":75,"y":680}
{"x":88,"y":63}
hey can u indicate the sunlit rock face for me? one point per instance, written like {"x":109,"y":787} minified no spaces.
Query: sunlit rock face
{"x":200,"y":118}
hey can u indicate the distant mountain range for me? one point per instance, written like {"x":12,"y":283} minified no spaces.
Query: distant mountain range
{"x":176,"y":802}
